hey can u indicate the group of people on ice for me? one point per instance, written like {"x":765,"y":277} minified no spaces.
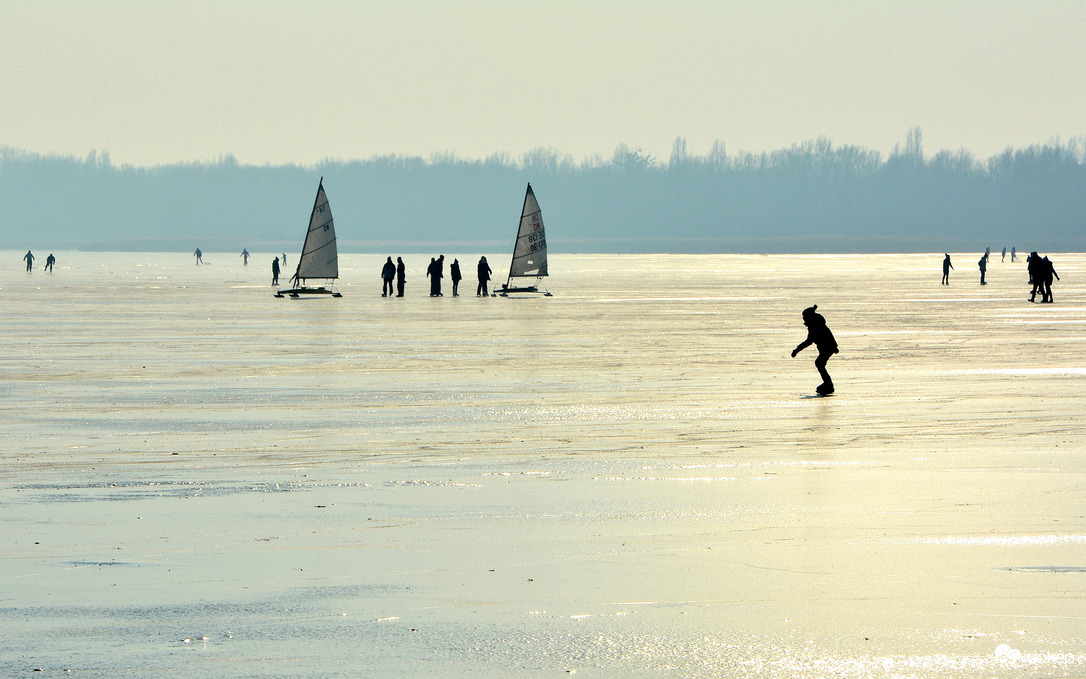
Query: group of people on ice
{"x":1041,"y":272}
{"x":29,"y":259}
{"x":435,"y":272}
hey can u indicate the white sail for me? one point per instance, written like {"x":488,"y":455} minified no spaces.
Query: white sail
{"x":530,"y":251}
{"x":319,"y":256}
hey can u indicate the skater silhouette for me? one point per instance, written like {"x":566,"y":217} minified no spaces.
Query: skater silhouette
{"x":983,"y":264}
{"x":29,"y":257}
{"x":820,"y":336}
{"x":947,"y":266}
{"x":49,"y":262}
{"x":401,"y":276}
{"x":199,"y":256}
{"x":275,"y":271}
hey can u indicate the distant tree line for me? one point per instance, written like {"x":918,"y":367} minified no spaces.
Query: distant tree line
{"x":811,"y":197}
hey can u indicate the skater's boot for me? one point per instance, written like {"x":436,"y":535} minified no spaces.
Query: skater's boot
{"x":825,"y":388}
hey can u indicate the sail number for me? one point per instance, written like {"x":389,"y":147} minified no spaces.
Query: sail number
{"x":536,"y":242}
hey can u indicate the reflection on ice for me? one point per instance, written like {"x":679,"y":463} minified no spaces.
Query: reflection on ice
{"x":1003,"y":540}
{"x":1061,"y":370}
{"x":715,"y":656}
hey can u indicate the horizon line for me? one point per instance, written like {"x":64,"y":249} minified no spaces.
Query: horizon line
{"x":102,"y":157}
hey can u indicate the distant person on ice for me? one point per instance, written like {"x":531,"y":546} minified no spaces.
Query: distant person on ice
{"x":947,"y":266}
{"x":245,"y":257}
{"x":454,"y":273}
{"x":983,"y":264}
{"x":49,"y":262}
{"x":275,"y":271}
{"x":1014,"y":254}
{"x":388,"y":272}
{"x":484,"y":277}
{"x":820,"y":336}
{"x":29,"y":257}
{"x":401,"y":276}
{"x":199,"y":257}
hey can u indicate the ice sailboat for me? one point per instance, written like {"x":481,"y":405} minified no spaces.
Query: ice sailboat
{"x":529,"y":252}
{"x":320,"y":258}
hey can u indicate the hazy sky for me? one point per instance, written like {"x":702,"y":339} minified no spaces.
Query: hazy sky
{"x":159,"y":81}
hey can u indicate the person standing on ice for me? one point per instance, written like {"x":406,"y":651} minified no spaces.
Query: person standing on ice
{"x":819,"y":335}
{"x":1047,"y":271}
{"x":401,"y":276}
{"x":484,"y":277}
{"x":1033,"y":267}
{"x":199,"y":256}
{"x":275,"y":271}
{"x":435,"y":272}
{"x":983,"y":264}
{"x":29,"y":257}
{"x":454,"y":273}
{"x":947,"y":266}
{"x":388,"y":272}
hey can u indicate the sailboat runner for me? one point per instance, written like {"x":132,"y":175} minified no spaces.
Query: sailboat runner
{"x":320,"y":258}
{"x":530,"y":250}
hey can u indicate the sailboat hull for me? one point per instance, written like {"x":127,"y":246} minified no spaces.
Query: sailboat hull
{"x":506,"y":290}
{"x":298,"y":292}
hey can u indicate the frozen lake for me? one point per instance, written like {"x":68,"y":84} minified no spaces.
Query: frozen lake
{"x":630,"y":478}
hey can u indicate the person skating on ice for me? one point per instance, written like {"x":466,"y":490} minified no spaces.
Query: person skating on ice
{"x":819,"y":335}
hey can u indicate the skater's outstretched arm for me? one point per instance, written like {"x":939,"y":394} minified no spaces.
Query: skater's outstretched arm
{"x":802,"y":345}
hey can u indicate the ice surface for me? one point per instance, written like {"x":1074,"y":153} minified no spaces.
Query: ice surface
{"x":631,"y":478}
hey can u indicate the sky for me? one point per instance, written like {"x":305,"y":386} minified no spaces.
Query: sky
{"x":275,"y":82}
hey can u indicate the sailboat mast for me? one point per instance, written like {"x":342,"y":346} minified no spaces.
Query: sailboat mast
{"x":316,"y":198}
{"x":509,"y":278}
